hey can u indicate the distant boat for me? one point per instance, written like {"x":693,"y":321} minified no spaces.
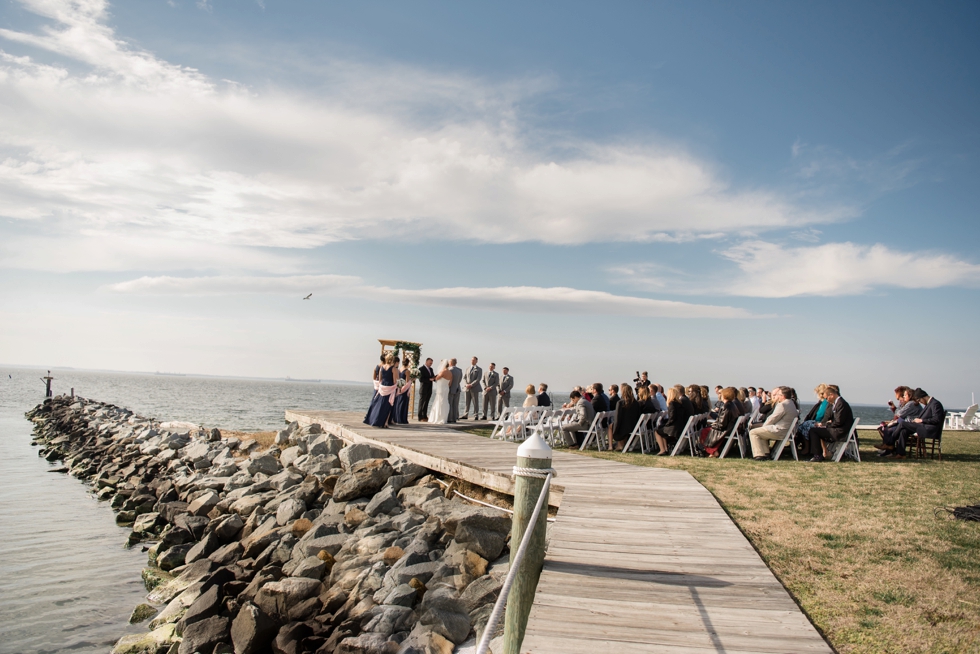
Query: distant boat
{"x":170,"y":374}
{"x":315,"y":381}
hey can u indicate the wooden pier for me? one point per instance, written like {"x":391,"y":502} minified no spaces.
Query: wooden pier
{"x":640,"y":559}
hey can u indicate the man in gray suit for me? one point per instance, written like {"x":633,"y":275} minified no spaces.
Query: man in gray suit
{"x":472,"y":388}
{"x":503,"y":395}
{"x":491,"y":380}
{"x":457,"y":377}
{"x":571,"y":431}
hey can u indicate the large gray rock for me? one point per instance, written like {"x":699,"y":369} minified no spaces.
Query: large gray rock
{"x":229,"y":527}
{"x":203,"y":635}
{"x":205,"y":548}
{"x":146,"y":523}
{"x":290,"y":637}
{"x":311,"y":567}
{"x":402,"y":595}
{"x":444,"y":612}
{"x":364,"y":478}
{"x":277,"y":597}
{"x":384,"y":501}
{"x":360,"y":452}
{"x":391,"y":619}
{"x":480,"y":592}
{"x":317,"y":464}
{"x":331,"y":544}
{"x":364,"y":644}
{"x":173,"y":558}
{"x":252,"y":630}
{"x":204,"y":503}
{"x":289,"y":511}
{"x":417,"y":495}
{"x":264,"y":463}
{"x":289,"y":455}
{"x":486,"y":543}
{"x":324,"y":444}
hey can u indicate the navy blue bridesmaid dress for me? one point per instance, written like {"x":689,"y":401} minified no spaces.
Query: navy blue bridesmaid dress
{"x":380,"y":409}
{"x":401,"y":405}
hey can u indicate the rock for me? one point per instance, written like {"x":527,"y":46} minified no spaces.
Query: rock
{"x":423,"y":640}
{"x":158,"y":640}
{"x":277,"y":597}
{"x":488,"y":544}
{"x":193,"y":573}
{"x":316,"y":464}
{"x":208,"y":604}
{"x":194,"y":525}
{"x":202,"y":636}
{"x":227,"y":554}
{"x":175,"y":610}
{"x":392,"y":554}
{"x":173,"y":558}
{"x":312,"y":547}
{"x":472,"y":564}
{"x":289,"y":455}
{"x":359,"y":452}
{"x":247,"y":505}
{"x":264,"y":463}
{"x":289,"y":638}
{"x":141,"y":613}
{"x":355,"y":517}
{"x":417,"y":495}
{"x":289,"y":511}
{"x":252,"y":630}
{"x":383,"y":501}
{"x":455,"y":627}
{"x":300,"y":527}
{"x":203,"y":504}
{"x":421,"y":571}
{"x":366,"y":644}
{"x":402,"y":595}
{"x":311,"y":567}
{"x":229,"y":527}
{"x":153,"y":577}
{"x":204,"y":548}
{"x":364,"y":478}
{"x":481,"y":592}
{"x":146,"y":523}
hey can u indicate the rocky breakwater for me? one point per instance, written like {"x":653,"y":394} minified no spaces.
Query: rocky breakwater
{"x":309,"y":546}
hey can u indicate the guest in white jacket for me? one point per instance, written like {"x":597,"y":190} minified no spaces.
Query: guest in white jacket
{"x":775,"y":426}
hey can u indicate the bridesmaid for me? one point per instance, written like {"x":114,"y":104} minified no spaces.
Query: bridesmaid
{"x":381,"y":404}
{"x":400,"y":410}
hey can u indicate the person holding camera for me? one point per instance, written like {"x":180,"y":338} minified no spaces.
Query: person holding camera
{"x":641,"y":381}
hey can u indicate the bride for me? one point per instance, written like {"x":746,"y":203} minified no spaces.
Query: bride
{"x":439,"y":409}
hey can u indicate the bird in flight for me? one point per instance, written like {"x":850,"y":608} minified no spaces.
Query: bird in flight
{"x":308,"y":296}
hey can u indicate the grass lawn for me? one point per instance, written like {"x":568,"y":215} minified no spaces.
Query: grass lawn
{"x":859,"y":544}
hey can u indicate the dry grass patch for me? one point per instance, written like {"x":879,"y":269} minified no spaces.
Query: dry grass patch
{"x":859,"y":544}
{"x":265,"y":439}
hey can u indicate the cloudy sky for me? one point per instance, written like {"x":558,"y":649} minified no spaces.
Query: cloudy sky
{"x":758,"y":193}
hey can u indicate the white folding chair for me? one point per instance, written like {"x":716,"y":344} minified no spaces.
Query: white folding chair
{"x":597,"y":431}
{"x":640,"y":433}
{"x":848,"y":446}
{"x":500,"y":426}
{"x":736,"y":434}
{"x":686,"y":438}
{"x":788,"y":439}
{"x":963,"y":420}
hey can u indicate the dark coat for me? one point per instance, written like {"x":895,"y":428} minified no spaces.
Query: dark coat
{"x":627,"y":415}
{"x":600,"y":402}
{"x":812,"y":413}
{"x":425,"y":377}
{"x":677,"y":416}
{"x":933,"y":418}
{"x":840,"y":420}
{"x":543,"y":399}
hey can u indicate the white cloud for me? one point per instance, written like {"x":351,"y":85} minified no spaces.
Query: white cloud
{"x":771,"y":270}
{"x":116,"y":137}
{"x":526,"y":299}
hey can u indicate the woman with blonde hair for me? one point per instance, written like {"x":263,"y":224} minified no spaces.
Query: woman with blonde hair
{"x":815,"y":415}
{"x":677,"y":416}
{"x":532,"y":398}
{"x":729,"y":413}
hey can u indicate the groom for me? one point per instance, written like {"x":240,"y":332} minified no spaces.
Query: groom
{"x":457,"y":376}
{"x":425,"y":378}
{"x":471,"y":384}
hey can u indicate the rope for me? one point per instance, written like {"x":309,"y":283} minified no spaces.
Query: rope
{"x":538,"y":473}
{"x":498,"y":607}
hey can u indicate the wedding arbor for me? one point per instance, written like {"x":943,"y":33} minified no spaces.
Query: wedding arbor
{"x":404,"y":349}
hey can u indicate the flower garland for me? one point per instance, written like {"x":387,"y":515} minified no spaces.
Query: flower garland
{"x":414,"y":353}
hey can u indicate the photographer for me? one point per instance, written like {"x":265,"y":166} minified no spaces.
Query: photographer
{"x":641,"y":380}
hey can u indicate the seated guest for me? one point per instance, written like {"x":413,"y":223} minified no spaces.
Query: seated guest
{"x":543,"y":398}
{"x":728,"y":415}
{"x":743,"y":397}
{"x":929,"y":424}
{"x":783,"y":413}
{"x":573,"y":431}
{"x":813,"y":416}
{"x":660,"y":398}
{"x":531,"y":399}
{"x":627,"y":415}
{"x":685,"y":400}
{"x":907,"y":409}
{"x":705,"y":399}
{"x":673,"y":427}
{"x":600,"y":401}
{"x":754,"y":399}
{"x":720,"y":403}
{"x":613,"y":396}
{"x":693,"y":393}
{"x":571,"y":402}
{"x":647,"y":405}
{"x":833,"y":429}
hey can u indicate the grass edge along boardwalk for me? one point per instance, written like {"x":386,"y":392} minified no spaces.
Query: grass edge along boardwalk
{"x":639,"y":559}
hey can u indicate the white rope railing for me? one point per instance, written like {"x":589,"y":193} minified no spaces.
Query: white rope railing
{"x":498,"y":607}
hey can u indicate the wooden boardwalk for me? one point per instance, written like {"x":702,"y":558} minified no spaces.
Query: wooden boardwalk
{"x":639,"y":560}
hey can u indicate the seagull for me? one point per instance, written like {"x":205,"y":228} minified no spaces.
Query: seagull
{"x":308,"y":296}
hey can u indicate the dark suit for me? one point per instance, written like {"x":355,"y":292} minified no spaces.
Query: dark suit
{"x":835,"y":429}
{"x":425,"y":393}
{"x":543,"y":399}
{"x":933,"y":418}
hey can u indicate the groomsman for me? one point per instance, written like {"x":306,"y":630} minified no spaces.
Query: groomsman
{"x":425,"y":394}
{"x":506,"y":384}
{"x":491,"y":379}
{"x":472,"y":388}
{"x":457,"y":377}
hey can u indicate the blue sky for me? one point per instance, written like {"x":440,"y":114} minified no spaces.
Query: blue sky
{"x":752,"y":193}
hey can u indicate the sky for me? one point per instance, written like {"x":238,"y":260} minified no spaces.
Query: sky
{"x":751,"y":193}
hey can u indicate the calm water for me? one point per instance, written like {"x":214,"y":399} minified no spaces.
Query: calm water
{"x":66,"y":582}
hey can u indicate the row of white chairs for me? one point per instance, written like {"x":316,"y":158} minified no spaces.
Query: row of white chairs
{"x":517,"y":423}
{"x":967,"y":420}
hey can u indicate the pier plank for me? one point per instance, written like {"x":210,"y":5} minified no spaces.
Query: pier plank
{"x":639,"y":559}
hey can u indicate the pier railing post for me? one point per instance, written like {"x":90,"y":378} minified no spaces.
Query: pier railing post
{"x":534,"y":453}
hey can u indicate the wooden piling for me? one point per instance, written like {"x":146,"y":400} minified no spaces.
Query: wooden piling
{"x":533,"y":453}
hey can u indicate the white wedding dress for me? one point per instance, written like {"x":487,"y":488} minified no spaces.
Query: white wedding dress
{"x":439,"y":406}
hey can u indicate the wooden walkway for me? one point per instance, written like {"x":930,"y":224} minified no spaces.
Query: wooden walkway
{"x":639,"y":560}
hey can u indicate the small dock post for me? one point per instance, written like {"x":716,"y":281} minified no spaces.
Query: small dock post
{"x":533,"y":454}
